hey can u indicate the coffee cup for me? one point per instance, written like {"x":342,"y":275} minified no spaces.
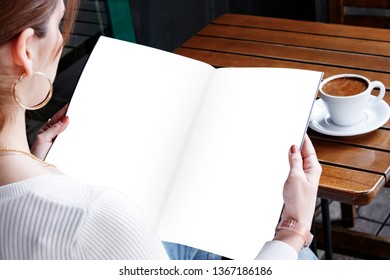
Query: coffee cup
{"x":346,"y":96}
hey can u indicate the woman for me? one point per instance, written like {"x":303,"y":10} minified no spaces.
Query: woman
{"x":47,"y":215}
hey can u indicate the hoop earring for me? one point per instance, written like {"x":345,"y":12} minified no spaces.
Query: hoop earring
{"x":39,"y":105}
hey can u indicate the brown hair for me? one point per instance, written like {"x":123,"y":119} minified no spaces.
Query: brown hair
{"x":18,"y":15}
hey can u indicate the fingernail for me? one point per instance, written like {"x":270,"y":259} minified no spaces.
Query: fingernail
{"x":57,"y":123}
{"x":293,"y":149}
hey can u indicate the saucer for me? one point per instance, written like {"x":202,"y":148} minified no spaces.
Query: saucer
{"x":374,"y":117}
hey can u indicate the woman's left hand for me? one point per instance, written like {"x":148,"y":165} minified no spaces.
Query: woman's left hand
{"x":46,"y":135}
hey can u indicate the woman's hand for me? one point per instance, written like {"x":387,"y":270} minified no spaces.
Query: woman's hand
{"x":300,"y":190}
{"x":46,"y":135}
{"x":301,"y":186}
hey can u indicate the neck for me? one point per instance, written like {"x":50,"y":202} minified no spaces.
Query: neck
{"x":17,"y":166}
{"x":13,"y":134}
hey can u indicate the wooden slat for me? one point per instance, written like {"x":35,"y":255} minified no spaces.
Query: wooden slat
{"x":284,"y":37}
{"x":349,"y":186}
{"x":377,"y":140}
{"x":299,"y":54}
{"x":336,"y":30}
{"x":219,"y":59}
{"x":353,"y":157}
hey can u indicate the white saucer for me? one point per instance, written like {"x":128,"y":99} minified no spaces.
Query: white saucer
{"x":374,"y":117}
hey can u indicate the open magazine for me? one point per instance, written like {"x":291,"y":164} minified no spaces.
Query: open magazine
{"x":203,"y":151}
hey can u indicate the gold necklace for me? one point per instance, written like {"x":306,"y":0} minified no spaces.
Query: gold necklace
{"x":13,"y":150}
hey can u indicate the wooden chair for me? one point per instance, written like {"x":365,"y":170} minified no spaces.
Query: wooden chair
{"x":371,"y":13}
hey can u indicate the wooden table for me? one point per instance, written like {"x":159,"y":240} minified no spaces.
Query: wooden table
{"x":354,"y":168}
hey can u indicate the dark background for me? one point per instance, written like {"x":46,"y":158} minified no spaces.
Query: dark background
{"x":166,"y":24}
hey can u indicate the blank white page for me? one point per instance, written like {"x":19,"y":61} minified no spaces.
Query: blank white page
{"x":227,"y":196}
{"x":129,"y":118}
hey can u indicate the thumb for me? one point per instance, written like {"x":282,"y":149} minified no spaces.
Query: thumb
{"x":295,"y":159}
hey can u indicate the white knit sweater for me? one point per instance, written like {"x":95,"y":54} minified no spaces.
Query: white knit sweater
{"x":55,"y":217}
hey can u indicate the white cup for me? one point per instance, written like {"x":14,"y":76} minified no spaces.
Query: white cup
{"x":349,"y":110}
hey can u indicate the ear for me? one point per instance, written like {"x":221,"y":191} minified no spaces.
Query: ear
{"x":22,"y":51}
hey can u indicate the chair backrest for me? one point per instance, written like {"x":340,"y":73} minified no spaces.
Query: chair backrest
{"x":372,"y":13}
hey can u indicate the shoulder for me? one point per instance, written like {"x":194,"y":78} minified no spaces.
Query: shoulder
{"x":94,"y":199}
{"x":120,"y":229}
{"x":63,"y":189}
{"x":113,"y":227}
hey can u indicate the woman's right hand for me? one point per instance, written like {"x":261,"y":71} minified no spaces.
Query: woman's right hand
{"x":300,"y":188}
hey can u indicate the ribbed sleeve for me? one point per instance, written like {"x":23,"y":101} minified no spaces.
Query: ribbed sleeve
{"x":54,"y":217}
{"x":36,"y":228}
{"x":117,"y":228}
{"x":277,"y":250}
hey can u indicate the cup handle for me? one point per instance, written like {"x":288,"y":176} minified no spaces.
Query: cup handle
{"x":382,"y":91}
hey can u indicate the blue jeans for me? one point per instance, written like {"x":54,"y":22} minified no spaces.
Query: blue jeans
{"x":306,"y":254}
{"x":181,"y":252}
